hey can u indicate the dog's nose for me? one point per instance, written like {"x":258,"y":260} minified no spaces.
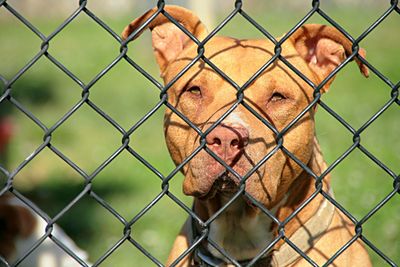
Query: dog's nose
{"x":228,"y":142}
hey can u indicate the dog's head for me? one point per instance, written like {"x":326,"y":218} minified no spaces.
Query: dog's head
{"x":278,"y":95}
{"x":16,"y":222}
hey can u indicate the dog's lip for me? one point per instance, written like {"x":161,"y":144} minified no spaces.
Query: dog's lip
{"x":224,"y":184}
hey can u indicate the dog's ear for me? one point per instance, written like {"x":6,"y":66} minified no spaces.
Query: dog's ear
{"x":15,"y":222}
{"x":324,"y":48}
{"x":168,"y":40}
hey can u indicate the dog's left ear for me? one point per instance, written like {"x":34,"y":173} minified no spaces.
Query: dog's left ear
{"x":324,"y":48}
{"x":168,"y":40}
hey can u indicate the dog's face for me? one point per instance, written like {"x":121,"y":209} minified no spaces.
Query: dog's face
{"x":241,"y":140}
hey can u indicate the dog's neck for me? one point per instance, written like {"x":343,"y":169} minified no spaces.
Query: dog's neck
{"x":243,"y":234}
{"x":301,"y":189}
{"x":239,"y":234}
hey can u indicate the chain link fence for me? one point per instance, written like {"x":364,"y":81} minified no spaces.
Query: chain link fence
{"x":85,"y":100}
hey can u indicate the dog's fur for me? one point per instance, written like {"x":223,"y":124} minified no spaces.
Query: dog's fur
{"x":21,"y":228}
{"x":242,"y":140}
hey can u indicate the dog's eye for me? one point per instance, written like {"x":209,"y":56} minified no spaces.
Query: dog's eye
{"x":277,"y":97}
{"x":195,"y":90}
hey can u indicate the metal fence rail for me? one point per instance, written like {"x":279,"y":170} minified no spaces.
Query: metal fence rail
{"x":7,"y":96}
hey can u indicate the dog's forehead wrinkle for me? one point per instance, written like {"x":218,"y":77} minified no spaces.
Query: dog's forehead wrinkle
{"x":239,"y":59}
{"x":220,"y":44}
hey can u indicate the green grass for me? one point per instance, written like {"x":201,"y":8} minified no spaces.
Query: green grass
{"x":125,"y":184}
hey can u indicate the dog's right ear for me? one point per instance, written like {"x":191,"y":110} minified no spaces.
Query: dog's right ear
{"x":324,"y":48}
{"x":168,"y":40}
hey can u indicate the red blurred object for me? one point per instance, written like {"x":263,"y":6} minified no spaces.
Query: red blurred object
{"x":6,"y":131}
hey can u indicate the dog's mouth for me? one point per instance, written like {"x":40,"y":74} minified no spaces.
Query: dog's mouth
{"x":226,"y":184}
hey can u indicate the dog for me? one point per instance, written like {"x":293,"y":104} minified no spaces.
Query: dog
{"x":242,"y":140}
{"x":21,"y":228}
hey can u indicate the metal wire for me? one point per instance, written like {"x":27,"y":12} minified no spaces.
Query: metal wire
{"x":7,"y":96}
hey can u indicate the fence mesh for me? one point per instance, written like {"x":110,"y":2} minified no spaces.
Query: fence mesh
{"x":85,"y":100}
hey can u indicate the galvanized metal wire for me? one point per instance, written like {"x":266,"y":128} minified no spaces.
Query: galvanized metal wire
{"x":238,"y":10}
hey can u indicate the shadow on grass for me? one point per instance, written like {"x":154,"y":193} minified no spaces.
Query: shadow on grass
{"x":79,"y":222}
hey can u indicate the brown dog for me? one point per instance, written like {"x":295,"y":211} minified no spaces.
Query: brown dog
{"x":21,"y":228}
{"x":241,"y":140}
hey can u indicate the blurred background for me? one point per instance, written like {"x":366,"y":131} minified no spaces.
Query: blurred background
{"x":88,"y":139}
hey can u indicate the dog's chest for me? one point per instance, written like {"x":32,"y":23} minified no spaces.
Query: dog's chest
{"x":240,"y":235}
